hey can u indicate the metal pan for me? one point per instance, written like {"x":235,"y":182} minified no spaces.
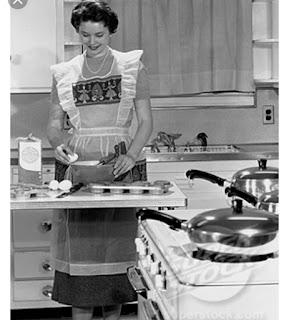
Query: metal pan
{"x":229,"y":230}
{"x":255,"y":180}
{"x":268,"y":201}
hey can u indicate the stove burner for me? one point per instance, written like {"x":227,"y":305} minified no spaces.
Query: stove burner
{"x":203,"y":254}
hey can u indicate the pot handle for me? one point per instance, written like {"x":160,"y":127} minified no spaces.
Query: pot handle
{"x":233,"y":191}
{"x":197,"y":174}
{"x":174,"y":223}
{"x":262,"y":164}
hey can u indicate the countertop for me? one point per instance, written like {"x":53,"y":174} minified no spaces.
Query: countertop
{"x":245,"y":152}
{"x":85,"y":199}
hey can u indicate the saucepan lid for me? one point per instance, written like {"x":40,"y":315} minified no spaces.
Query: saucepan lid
{"x":261,"y":172}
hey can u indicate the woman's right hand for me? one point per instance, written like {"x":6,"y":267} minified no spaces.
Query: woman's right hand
{"x":61,"y":153}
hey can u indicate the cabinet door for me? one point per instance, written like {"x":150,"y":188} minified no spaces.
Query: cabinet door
{"x":32,"y":46}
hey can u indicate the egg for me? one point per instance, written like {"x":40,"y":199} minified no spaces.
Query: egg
{"x":54,"y":185}
{"x":65,"y":185}
{"x":73,"y":158}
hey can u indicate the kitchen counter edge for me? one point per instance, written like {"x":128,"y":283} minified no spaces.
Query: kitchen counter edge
{"x":246,"y":152}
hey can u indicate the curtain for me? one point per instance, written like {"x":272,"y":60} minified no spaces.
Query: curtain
{"x":190,"y":46}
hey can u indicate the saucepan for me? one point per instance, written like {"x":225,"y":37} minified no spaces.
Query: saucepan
{"x":229,"y":230}
{"x":255,"y":180}
{"x":268,"y":201}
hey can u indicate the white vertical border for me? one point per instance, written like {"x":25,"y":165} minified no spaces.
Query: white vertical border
{"x":283,"y":156}
{"x":5,"y":160}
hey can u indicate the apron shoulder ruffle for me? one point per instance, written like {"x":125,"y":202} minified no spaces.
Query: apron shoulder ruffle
{"x":65,"y":74}
{"x":129,"y":63}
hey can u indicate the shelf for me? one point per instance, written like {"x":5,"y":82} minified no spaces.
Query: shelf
{"x":72,"y":43}
{"x":267,"y":83}
{"x":266,"y":41}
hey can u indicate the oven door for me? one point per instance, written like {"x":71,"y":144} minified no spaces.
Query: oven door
{"x":149,"y":304}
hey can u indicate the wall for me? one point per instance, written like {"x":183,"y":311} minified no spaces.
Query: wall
{"x":29,"y":113}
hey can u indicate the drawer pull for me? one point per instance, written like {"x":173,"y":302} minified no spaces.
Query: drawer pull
{"x":46,"y":266}
{"x":47,"y":291}
{"x":46,"y":226}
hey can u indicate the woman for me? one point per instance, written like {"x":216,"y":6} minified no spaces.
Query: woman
{"x":91,"y":248}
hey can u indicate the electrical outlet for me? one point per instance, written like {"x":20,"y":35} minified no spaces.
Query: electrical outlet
{"x":268,"y":114}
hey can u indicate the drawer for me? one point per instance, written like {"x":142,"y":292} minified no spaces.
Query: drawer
{"x":31,"y":228}
{"x":32,"y":265}
{"x":32,"y":290}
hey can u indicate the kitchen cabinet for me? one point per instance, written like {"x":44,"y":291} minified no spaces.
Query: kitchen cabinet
{"x":265,"y":42}
{"x":47,"y":174}
{"x":33,"y":46}
{"x":68,"y":39}
{"x":201,"y":194}
{"x":31,"y":273}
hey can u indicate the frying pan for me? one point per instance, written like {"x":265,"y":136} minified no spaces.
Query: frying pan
{"x":255,"y":180}
{"x":230,"y":230}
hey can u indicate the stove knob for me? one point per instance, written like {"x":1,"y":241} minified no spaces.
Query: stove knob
{"x":155,"y":267}
{"x":159,"y":282}
{"x":151,"y":294}
{"x":140,"y":247}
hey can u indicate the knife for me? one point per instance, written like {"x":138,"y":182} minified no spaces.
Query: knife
{"x":75,"y":188}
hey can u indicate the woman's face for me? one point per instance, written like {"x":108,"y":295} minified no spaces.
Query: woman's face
{"x":95,"y":37}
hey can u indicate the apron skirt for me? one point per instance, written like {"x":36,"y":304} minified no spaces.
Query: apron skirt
{"x":86,"y":291}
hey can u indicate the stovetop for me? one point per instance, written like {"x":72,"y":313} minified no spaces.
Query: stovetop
{"x":181,"y":254}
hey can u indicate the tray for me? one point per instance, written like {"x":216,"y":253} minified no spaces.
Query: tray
{"x":132,"y":188}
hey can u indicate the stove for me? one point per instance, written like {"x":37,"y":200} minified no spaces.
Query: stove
{"x":180,"y":285}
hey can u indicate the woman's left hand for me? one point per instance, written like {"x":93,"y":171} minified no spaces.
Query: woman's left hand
{"x":123,"y":164}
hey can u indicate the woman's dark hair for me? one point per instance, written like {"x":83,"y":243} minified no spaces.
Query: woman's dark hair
{"x":95,"y":11}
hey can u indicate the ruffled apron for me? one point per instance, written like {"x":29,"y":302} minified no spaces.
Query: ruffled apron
{"x":97,"y":241}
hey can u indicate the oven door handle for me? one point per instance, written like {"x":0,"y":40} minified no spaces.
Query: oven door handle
{"x":151,"y":310}
{"x":137,"y":281}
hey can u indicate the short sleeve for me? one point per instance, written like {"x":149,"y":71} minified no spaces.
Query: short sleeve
{"x":142,"y":86}
{"x":56,"y":111}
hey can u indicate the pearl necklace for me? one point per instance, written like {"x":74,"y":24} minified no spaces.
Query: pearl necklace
{"x":95,"y":72}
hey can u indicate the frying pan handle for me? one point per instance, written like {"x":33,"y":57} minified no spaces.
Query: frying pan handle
{"x":173,"y":222}
{"x":197,"y":174}
{"x":233,"y":191}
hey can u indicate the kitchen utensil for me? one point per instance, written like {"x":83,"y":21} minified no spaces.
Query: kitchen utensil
{"x":110,"y":157}
{"x":268,"y":201}
{"x":255,"y":180}
{"x":122,"y":150}
{"x":74,"y":188}
{"x":228,"y":230}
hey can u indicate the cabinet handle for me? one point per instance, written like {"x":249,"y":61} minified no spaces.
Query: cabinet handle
{"x":46,"y":226}
{"x":47,"y":291}
{"x":46,"y":266}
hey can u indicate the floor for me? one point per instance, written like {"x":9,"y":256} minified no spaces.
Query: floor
{"x":129,"y":312}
